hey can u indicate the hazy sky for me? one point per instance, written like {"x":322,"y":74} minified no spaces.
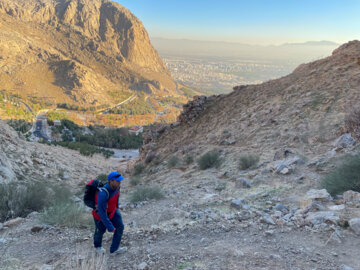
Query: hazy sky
{"x":250,"y":21}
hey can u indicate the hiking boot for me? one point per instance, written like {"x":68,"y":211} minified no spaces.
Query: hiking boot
{"x":100,"y":250}
{"x":119,"y":251}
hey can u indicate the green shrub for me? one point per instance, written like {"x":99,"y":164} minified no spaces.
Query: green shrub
{"x":173,"y":161}
{"x":188,"y":160}
{"x":66,"y":213}
{"x":344,"y":177}
{"x":20,"y":199}
{"x":138,"y":169}
{"x":146,"y":193}
{"x":248,"y":161}
{"x":220,"y":187}
{"x":209,"y":160}
{"x":135,"y":180}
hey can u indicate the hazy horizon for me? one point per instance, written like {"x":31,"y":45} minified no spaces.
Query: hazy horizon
{"x":259,"y":22}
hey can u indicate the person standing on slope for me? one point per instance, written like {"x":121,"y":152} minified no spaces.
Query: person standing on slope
{"x":107,"y":215}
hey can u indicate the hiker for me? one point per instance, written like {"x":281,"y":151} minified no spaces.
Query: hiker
{"x":107,"y":215}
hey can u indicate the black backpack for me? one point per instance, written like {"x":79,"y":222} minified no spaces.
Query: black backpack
{"x":90,"y":192}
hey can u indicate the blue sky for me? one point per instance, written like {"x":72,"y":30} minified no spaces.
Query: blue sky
{"x":250,"y":21}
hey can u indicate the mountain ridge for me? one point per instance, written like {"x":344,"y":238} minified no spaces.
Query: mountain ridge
{"x":80,"y":50}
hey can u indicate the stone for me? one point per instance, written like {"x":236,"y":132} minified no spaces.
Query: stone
{"x":238,"y":204}
{"x":316,"y":206}
{"x":143,"y":266}
{"x":344,"y":141}
{"x":269,"y":232}
{"x":351,"y":196}
{"x":275,"y":257}
{"x":239,"y":253}
{"x":133,"y":224}
{"x":36,"y":229}
{"x":242,"y":183}
{"x":13,"y":222}
{"x":1,"y":226}
{"x":337,"y":207}
{"x":315,"y":218}
{"x":281,"y":154}
{"x":285,"y":171}
{"x":315,"y":195}
{"x":355,"y":225}
{"x":345,"y":267}
{"x":300,"y":179}
{"x":335,"y":237}
{"x":267,"y":219}
{"x":46,"y":267}
{"x":211,"y":137}
{"x":265,"y":171}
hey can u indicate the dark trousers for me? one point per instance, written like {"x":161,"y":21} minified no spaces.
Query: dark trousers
{"x":100,"y":229}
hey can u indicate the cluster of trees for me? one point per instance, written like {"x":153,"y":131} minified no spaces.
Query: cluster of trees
{"x":20,"y":125}
{"x":111,"y":138}
{"x":75,"y":137}
{"x":85,"y":148}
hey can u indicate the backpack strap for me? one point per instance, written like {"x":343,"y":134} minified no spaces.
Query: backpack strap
{"x":107,"y":192}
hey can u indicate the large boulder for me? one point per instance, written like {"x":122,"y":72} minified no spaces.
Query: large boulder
{"x":319,"y":195}
{"x":351,"y":197}
{"x":286,"y":165}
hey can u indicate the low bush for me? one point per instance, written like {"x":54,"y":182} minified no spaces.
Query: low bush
{"x":220,"y":187}
{"x":19,"y":199}
{"x":248,"y":161}
{"x":138,"y":169}
{"x":135,"y":180}
{"x":343,"y":178}
{"x":173,"y":162}
{"x":66,"y":213}
{"x":188,"y":160}
{"x":209,"y":160}
{"x":146,"y":193}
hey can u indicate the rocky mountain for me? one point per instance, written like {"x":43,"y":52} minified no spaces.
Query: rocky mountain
{"x":304,"y":110}
{"x":83,"y":51}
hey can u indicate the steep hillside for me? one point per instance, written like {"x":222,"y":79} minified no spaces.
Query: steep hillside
{"x":26,"y":161}
{"x":89,"y":52}
{"x":304,"y":110}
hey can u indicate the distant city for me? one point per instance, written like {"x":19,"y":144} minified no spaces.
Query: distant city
{"x":221,"y":75}
{"x":216,"y":67}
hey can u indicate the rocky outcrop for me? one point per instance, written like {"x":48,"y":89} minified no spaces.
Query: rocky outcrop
{"x":193,"y":108}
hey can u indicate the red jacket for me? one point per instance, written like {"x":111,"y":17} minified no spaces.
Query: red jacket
{"x":111,"y":207}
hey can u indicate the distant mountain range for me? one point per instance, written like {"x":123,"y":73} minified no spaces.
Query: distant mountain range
{"x":289,"y":52}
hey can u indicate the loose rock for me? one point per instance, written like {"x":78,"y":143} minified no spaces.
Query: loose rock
{"x":355,"y":225}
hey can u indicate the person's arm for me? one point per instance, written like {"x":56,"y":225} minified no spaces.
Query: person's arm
{"x":102,"y":204}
